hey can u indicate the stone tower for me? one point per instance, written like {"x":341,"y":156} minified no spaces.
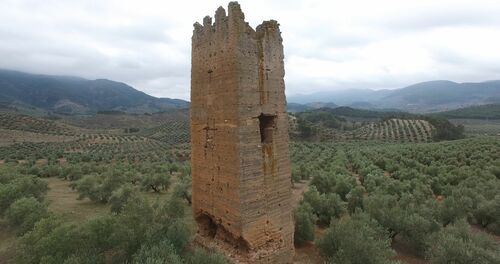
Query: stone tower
{"x":239,"y":139}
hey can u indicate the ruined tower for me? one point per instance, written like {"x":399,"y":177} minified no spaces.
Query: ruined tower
{"x":239,"y":139}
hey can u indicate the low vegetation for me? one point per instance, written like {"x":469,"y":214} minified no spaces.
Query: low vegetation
{"x":367,"y":193}
{"x":418,"y":194}
{"x":135,"y":231}
{"x":324,"y":125}
{"x":489,"y":111}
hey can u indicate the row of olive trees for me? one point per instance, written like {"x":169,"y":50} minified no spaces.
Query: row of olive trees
{"x":22,"y":199}
{"x":140,"y":232}
{"x":98,"y":181}
{"x":401,"y":194}
{"x":135,"y":231}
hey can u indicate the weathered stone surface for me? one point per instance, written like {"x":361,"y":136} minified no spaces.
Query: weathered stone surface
{"x":240,"y":161}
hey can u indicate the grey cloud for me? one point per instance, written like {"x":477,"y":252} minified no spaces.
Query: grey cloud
{"x":151,"y":49}
{"x":441,"y":16}
{"x":446,"y":55}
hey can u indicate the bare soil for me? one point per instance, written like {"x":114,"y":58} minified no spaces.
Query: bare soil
{"x":298,"y":190}
{"x":405,"y":254}
{"x":308,"y":253}
{"x":62,"y":199}
{"x":7,"y":243}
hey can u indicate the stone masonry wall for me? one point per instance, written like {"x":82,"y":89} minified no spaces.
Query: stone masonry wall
{"x":240,"y":160}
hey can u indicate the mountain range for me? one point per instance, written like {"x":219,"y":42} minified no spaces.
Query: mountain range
{"x":74,"y":95}
{"x":429,"y":96}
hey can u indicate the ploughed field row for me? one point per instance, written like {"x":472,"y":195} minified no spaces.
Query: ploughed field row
{"x":392,"y":130}
{"x":397,"y":130}
{"x":83,"y":150}
{"x":110,"y":138}
{"x":9,"y":137}
{"x":12,"y":121}
{"x":27,"y":139}
{"x":176,"y":132}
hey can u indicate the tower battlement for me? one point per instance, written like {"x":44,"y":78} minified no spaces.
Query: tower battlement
{"x":239,"y":137}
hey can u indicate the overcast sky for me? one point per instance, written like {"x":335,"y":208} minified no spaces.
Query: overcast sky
{"x":329,"y":44}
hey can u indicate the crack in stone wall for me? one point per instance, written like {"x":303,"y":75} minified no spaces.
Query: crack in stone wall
{"x":240,"y":160}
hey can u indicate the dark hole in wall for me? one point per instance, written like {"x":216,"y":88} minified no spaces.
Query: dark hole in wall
{"x":267,"y":126}
{"x":207,"y":227}
{"x":242,"y":245}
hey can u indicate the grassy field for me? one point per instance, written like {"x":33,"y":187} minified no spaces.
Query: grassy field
{"x":63,"y":200}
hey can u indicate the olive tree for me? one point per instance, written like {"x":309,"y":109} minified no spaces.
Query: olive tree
{"x":25,"y":212}
{"x":356,"y":240}
{"x":305,"y":220}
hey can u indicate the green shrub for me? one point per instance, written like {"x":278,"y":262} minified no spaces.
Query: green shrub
{"x":82,"y":258}
{"x":120,"y":197}
{"x":155,"y":181}
{"x":24,"y":213}
{"x":304,"y":224}
{"x":160,"y":253}
{"x":417,"y":230}
{"x":488,"y":213}
{"x":385,"y":209}
{"x":50,"y":171}
{"x":117,"y":238}
{"x":99,"y":187}
{"x":202,"y":256}
{"x":183,"y":188}
{"x":324,"y":183}
{"x":50,"y":241}
{"x":455,"y":207}
{"x":325,"y":206}
{"x":356,"y":240}
{"x":457,"y":244}
{"x":21,"y":186}
{"x":296,"y":176}
{"x":355,"y":199}
{"x":300,"y":173}
{"x":89,"y":186}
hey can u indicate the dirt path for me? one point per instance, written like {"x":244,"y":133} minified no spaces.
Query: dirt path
{"x":298,"y":190}
{"x":479,"y":229}
{"x":62,"y":199}
{"x":307,"y":254}
{"x":7,"y":243}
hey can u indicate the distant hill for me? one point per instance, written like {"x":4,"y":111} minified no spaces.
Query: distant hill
{"x":345,"y":97}
{"x":423,"y":97}
{"x":74,"y":95}
{"x":346,"y":111}
{"x":439,"y":95}
{"x":489,"y":111}
{"x":295,"y":107}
